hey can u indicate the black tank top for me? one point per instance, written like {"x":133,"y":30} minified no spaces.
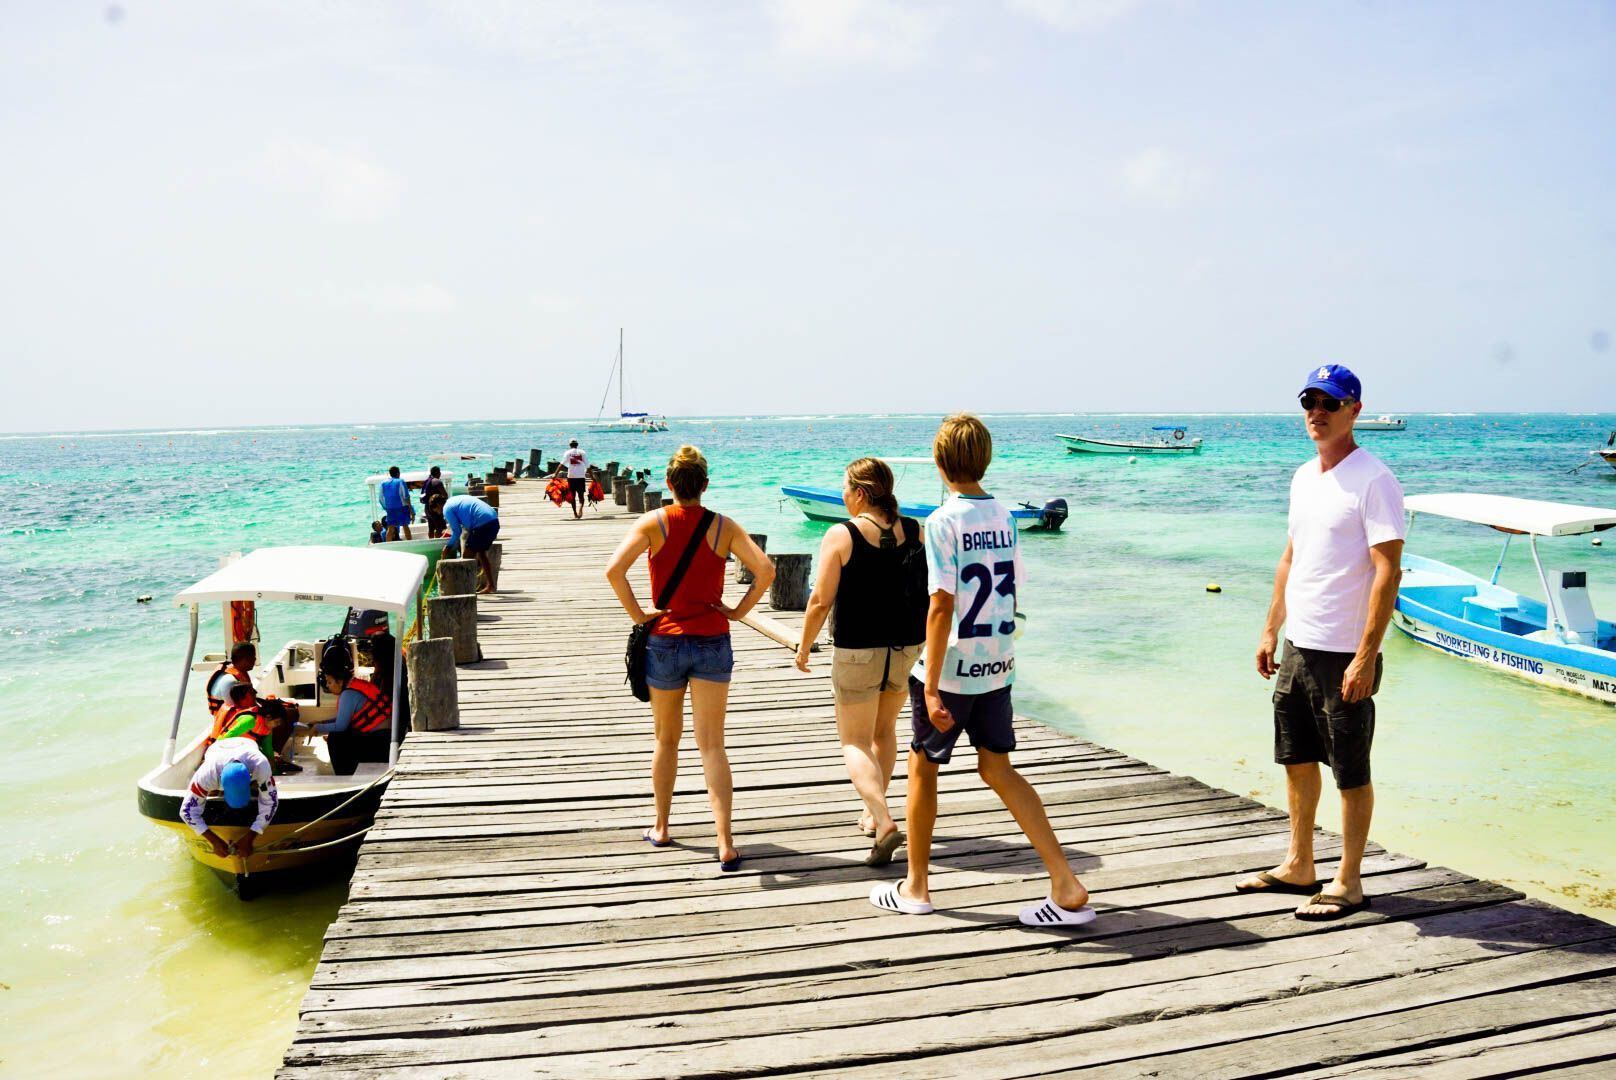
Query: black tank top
{"x":872,"y":609}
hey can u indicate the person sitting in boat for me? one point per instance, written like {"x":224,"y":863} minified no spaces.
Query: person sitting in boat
{"x":480,"y":523}
{"x":378,"y":533}
{"x":364,"y":714}
{"x":238,"y":770}
{"x":238,"y":669}
{"x":396,"y":508}
{"x":268,"y":721}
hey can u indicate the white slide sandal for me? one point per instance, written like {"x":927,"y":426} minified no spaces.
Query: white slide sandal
{"x":1050,"y":913}
{"x":887,"y":897}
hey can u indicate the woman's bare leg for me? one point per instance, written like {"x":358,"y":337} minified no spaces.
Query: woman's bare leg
{"x":668,"y":716}
{"x":855,"y":726}
{"x":709,"y":701}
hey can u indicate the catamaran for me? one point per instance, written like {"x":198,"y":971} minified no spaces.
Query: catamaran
{"x":1383,"y":422}
{"x":639,"y":423}
{"x":1560,"y":643}
{"x":321,"y":814}
{"x":1174,"y":440}
{"x":825,"y":504}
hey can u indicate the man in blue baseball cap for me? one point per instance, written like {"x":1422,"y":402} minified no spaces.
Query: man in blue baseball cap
{"x":1334,"y":592}
{"x":231,"y":768}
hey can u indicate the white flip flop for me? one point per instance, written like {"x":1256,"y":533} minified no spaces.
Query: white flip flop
{"x":887,"y":897}
{"x":1050,"y":913}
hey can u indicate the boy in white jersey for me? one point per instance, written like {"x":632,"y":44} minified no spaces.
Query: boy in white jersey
{"x":972,"y":553}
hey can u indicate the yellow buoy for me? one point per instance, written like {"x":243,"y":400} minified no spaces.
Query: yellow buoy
{"x":1213,"y":586}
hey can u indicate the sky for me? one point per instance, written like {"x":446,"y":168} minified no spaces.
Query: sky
{"x":321,"y":212}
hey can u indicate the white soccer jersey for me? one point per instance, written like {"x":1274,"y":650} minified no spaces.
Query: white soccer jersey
{"x":973,"y":553}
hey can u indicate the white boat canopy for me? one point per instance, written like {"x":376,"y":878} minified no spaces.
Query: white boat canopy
{"x":1527,"y":516}
{"x":414,"y":476}
{"x":354,"y":576}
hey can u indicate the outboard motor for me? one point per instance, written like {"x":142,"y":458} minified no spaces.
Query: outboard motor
{"x":1053,"y":515}
{"x":364,"y":623}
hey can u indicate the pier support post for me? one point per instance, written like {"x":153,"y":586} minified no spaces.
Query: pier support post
{"x":455,"y":617}
{"x":668,"y":500}
{"x":742,"y":574}
{"x":652,"y":500}
{"x":611,"y":467}
{"x":636,"y":497}
{"x":434,"y":688}
{"x":534,"y":460}
{"x":790,"y":589}
{"x":457,"y":577}
{"x":605,"y":479}
{"x":512,"y":471}
{"x":551,"y":466}
{"x":491,"y":495}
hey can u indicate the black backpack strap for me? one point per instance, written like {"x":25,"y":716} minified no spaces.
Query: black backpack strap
{"x":696,"y":538}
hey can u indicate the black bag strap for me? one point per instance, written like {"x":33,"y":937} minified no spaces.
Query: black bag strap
{"x":696,"y":538}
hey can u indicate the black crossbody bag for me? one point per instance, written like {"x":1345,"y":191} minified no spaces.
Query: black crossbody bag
{"x":640,"y":636}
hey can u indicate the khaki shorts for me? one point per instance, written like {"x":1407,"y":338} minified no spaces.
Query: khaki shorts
{"x":855,"y":674}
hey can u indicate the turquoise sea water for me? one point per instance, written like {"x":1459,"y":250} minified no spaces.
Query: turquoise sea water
{"x":112,"y":930}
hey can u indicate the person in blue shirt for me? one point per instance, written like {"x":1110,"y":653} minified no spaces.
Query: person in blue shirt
{"x":397,"y":512}
{"x":480,"y":523}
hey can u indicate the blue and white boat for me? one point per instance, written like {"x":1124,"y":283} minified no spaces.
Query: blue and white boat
{"x":1560,"y":643}
{"x":825,"y":504}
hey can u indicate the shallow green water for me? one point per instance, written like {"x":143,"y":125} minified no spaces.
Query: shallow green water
{"x":119,"y":949}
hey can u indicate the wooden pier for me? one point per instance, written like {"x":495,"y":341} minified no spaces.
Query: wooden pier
{"x":506,"y":919}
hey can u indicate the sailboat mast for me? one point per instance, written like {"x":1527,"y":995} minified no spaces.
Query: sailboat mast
{"x":620,"y":372}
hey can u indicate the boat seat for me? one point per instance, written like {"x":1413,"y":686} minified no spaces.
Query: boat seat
{"x":1574,"y":608}
{"x":1491,"y":611}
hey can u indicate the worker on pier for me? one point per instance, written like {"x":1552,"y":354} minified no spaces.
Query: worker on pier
{"x":480,"y":523}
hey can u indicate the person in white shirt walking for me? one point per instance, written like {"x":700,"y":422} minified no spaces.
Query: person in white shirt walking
{"x":576,"y":463}
{"x":1334,"y":592}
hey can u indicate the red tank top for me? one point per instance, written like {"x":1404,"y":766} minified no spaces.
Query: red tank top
{"x":691,"y":610}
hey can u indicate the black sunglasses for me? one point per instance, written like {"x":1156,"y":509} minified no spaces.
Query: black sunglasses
{"x":1311,"y":401}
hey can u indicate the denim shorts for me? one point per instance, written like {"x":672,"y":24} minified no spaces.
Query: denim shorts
{"x":672,"y":660}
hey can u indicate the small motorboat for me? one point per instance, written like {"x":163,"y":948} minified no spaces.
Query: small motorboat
{"x":1383,"y":422}
{"x":1560,"y":643}
{"x":322,"y":815}
{"x":825,"y":504}
{"x":1174,"y":439}
{"x":1607,"y":453}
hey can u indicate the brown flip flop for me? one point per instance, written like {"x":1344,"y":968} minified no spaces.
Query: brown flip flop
{"x":881,"y":853}
{"x":1340,"y":907}
{"x":1270,"y":883}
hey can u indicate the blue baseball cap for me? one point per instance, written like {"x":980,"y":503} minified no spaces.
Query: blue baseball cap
{"x":1335,"y":380}
{"x":235,"y":780}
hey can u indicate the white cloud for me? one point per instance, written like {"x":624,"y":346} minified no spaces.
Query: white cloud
{"x":421,"y":298}
{"x":345,"y":185}
{"x":1159,"y":178}
{"x":1074,"y":14}
{"x":894,"y":33}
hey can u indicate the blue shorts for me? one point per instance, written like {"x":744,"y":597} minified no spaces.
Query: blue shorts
{"x":989,"y":719}
{"x":397,"y":515}
{"x":672,"y":660}
{"x":480,"y":538}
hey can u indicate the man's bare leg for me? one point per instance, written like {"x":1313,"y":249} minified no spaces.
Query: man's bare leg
{"x":1357,"y":808}
{"x":668,"y":716}
{"x":1027,"y":808}
{"x":1302,"y":797}
{"x":920,"y":815}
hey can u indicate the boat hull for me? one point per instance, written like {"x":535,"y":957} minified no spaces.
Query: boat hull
{"x":1079,"y":444}
{"x":822,"y":504}
{"x":1425,"y":612}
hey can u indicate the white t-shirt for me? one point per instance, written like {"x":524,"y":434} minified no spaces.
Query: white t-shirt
{"x":577,"y":464}
{"x":205,"y":783}
{"x":973,"y":553}
{"x":1335,"y":518}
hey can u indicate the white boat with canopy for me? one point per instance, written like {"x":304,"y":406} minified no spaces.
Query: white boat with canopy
{"x":453,"y":467}
{"x":1383,"y":422}
{"x":1172,"y":439}
{"x":1557,"y":642}
{"x":322,"y":813}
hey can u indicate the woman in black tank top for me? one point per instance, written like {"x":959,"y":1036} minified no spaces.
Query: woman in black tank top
{"x":872,"y":576}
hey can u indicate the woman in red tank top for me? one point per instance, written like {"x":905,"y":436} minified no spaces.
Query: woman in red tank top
{"x":689,"y":644}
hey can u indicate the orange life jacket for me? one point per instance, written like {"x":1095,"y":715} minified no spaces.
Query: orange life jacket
{"x":227,"y":715}
{"x":376,"y":714}
{"x":216,"y":703}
